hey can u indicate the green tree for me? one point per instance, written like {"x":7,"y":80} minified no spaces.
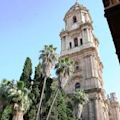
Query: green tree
{"x":27,"y":72}
{"x":61,"y":106}
{"x":20,"y":98}
{"x":38,"y":71}
{"x":4,"y":99}
{"x":64,"y":68}
{"x":17,"y":96}
{"x":79,"y":98}
{"x":38,"y":82}
{"x":7,"y":113}
{"x":48,"y":57}
{"x":35,"y":93}
{"x":70,"y":108}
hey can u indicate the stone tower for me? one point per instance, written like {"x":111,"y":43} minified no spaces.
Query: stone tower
{"x":80,"y":44}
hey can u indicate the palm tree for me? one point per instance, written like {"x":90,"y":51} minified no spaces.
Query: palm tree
{"x":64,"y":68}
{"x":17,"y":95}
{"x":4,"y":100}
{"x":19,"y":99}
{"x":79,"y":98}
{"x":48,"y":57}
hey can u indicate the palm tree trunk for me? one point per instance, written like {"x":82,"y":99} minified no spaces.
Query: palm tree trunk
{"x":18,"y":116}
{"x":80,"y":109}
{"x":52,"y":104}
{"x":40,"y":103}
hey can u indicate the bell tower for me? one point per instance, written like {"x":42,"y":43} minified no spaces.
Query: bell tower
{"x":80,"y":44}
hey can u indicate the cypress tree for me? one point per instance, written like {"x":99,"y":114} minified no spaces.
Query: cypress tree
{"x":63,"y":106}
{"x":38,"y":71}
{"x":27,"y":72}
{"x":35,"y":93}
{"x":26,"y":78}
{"x":59,"y":110}
{"x":38,"y":82}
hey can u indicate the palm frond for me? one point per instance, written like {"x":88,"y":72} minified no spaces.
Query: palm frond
{"x":48,"y":57}
{"x":64,"y":68}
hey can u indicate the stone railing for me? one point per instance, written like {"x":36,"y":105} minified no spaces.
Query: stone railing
{"x":109,"y":3}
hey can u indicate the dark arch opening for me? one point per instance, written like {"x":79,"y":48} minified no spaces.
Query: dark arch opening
{"x":70,"y":45}
{"x":75,"y":42}
{"x":81,"y":41}
{"x":74,"y":19}
{"x":77,"y":85}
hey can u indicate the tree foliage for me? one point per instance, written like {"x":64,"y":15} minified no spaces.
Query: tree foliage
{"x":7,"y":113}
{"x":80,"y":97}
{"x":17,"y":98}
{"x":26,"y":92}
{"x":27,"y":72}
{"x":48,"y":58}
{"x":62,"y":109}
{"x":35,"y":93}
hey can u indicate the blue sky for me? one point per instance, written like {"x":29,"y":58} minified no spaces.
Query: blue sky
{"x":27,"y":25}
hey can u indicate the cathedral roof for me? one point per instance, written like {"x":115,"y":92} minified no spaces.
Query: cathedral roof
{"x":75,"y":7}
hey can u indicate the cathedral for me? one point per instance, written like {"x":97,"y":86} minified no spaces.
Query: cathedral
{"x":80,"y":44}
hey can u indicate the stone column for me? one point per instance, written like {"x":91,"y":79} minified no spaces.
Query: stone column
{"x":91,"y":110}
{"x":97,"y":110}
{"x":80,"y":109}
{"x":92,"y":67}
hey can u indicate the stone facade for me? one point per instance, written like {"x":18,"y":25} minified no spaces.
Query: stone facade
{"x":114,"y":107}
{"x":80,"y":44}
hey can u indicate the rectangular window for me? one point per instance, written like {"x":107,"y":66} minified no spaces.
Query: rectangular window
{"x":81,"y":41}
{"x":70,"y":45}
{"x":76,"y":42}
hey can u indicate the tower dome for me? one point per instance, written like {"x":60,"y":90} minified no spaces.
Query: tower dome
{"x":77,"y":6}
{"x":76,"y":16}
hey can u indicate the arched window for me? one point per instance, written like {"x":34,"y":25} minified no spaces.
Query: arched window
{"x":70,"y":45}
{"x":75,"y":42}
{"x":74,"y":19}
{"x":76,"y":67}
{"x":64,"y":37}
{"x":77,"y":85}
{"x":84,"y":29}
